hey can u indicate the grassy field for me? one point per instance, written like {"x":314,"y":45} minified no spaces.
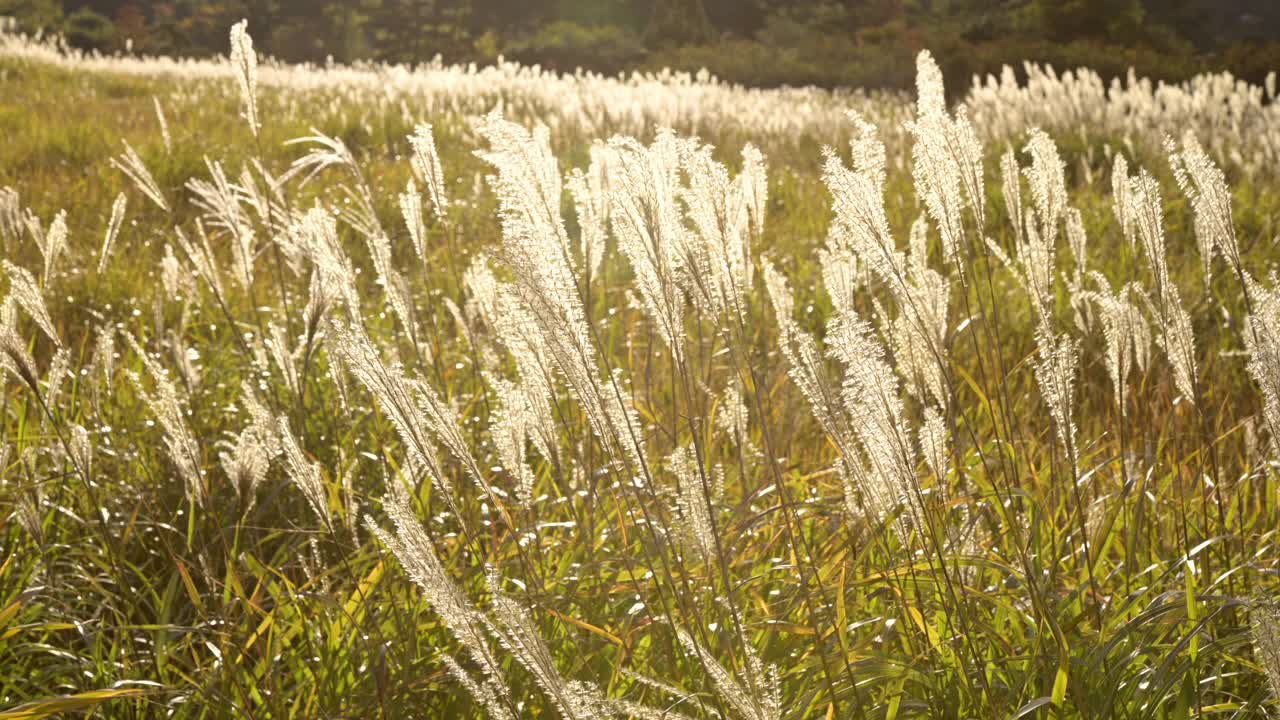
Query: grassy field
{"x":701,"y":432}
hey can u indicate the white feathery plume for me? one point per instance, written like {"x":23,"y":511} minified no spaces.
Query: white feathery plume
{"x":1265,"y":628}
{"x":931,"y":95}
{"x":321,"y":296}
{"x":397,"y":396}
{"x":325,"y":152}
{"x":535,"y":243}
{"x":1035,"y":246}
{"x":520,"y":334}
{"x":1055,"y":372}
{"x":103,"y":359}
{"x":14,"y":356}
{"x":443,"y":421}
{"x":1176,"y":337}
{"x":732,"y":417}
{"x":1011,"y":188}
{"x":1262,"y":340}
{"x":806,"y":369}
{"x":1078,"y":241}
{"x":935,"y":443}
{"x":164,"y":125}
{"x":1048,"y":183}
{"x":426,"y":165}
{"x":481,"y":287}
{"x":1121,"y":202}
{"x":1033,"y":269}
{"x":528,"y":188}
{"x":877,"y":417}
{"x":113,"y":229}
{"x":81,"y":450}
{"x":260,"y":419}
{"x":1125,"y":330}
{"x":412,"y":546}
{"x":304,"y":473}
{"x":720,"y":210}
{"x":1203,"y":183}
{"x":516,"y":631}
{"x":842,"y":275}
{"x":693,"y":505}
{"x":59,"y":371}
{"x":201,"y":257}
{"x":170,"y":411}
{"x":246,"y":462}
{"x":753,"y":184}
{"x":318,"y":236}
{"x":485,"y":690}
{"x":937,"y":176}
{"x":358,"y":212}
{"x":644,"y":184}
{"x":26,"y":293}
{"x":1146,"y":212}
{"x":861,"y":227}
{"x":805,"y":366}
{"x":220,"y":201}
{"x":920,"y":330}
{"x":860,"y":224}
{"x":12,"y":221}
{"x":947,"y":159}
{"x":244,"y":63}
{"x":591,"y":191}
{"x":175,"y":278}
{"x":592,"y":210}
{"x":760,"y":699}
{"x":52,"y":244}
{"x":535,"y":248}
{"x":132,"y":166}
{"x":969,"y":156}
{"x":428,"y":411}
{"x":411,"y":210}
{"x":278,"y":347}
{"x":511,"y":427}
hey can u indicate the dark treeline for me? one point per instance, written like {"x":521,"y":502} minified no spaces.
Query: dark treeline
{"x":758,"y":42}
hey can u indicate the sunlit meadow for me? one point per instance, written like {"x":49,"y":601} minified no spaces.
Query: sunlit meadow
{"x":446,"y":391}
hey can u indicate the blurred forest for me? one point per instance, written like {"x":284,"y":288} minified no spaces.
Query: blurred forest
{"x":866,"y":43}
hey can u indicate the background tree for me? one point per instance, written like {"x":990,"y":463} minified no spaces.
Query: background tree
{"x":678,"y":22}
{"x":758,"y":42}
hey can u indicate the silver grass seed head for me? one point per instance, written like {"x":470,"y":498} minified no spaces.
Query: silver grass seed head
{"x":245,"y":463}
{"x":1204,"y":184}
{"x":304,"y":473}
{"x":164,"y":125}
{"x":411,"y":211}
{"x":244,"y":65}
{"x":1047,"y":179}
{"x":1265,"y":614}
{"x":26,"y":293}
{"x":53,"y":243}
{"x":757,"y":699}
{"x":113,"y":230}
{"x":426,"y":165}
{"x":1055,"y":373}
{"x":412,"y":546}
{"x":136,"y":170}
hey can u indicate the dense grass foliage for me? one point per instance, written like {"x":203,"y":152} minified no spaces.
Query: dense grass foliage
{"x":438,"y":413}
